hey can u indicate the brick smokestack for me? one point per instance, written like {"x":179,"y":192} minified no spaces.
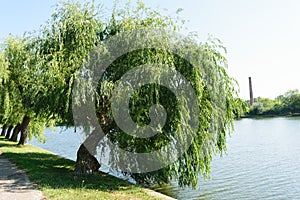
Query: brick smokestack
{"x":251,"y":92}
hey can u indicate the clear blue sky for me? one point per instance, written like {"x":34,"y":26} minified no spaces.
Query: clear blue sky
{"x":262,"y":36}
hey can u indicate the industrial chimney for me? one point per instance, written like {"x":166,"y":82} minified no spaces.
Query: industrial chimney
{"x":251,"y":92}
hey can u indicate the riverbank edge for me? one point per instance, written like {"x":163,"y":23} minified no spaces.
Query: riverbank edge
{"x":148,"y":191}
{"x":269,"y":116}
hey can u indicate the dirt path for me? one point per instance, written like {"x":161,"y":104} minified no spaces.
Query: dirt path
{"x":14,"y":183}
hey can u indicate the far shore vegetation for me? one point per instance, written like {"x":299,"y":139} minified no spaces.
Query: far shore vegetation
{"x":287,"y":104}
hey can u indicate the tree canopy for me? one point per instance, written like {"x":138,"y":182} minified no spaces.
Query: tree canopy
{"x":128,"y":46}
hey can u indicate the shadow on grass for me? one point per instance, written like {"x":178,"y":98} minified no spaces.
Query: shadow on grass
{"x":2,"y":144}
{"x":51,"y":171}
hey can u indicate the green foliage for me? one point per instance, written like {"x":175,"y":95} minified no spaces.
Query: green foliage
{"x":64,"y":44}
{"x":3,"y":68}
{"x":24,"y":85}
{"x":4,"y":98}
{"x":14,"y":97}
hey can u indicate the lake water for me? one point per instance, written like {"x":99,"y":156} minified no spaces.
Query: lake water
{"x":262,"y":162}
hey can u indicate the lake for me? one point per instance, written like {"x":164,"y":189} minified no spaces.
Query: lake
{"x":262,"y":161}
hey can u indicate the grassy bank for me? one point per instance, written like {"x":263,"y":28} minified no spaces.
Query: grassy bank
{"x":54,"y":176}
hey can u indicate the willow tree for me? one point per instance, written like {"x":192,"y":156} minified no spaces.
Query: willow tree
{"x":121,"y":20}
{"x":4,"y":73}
{"x":15,"y":51}
{"x":24,"y":87}
{"x":142,"y":37}
{"x":9,"y":102}
{"x":9,"y":95}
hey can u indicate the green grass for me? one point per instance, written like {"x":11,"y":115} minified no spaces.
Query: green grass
{"x":54,"y":176}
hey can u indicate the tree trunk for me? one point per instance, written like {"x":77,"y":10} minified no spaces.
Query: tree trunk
{"x":3,"y":130}
{"x":7,"y":136}
{"x":15,"y":134}
{"x":24,"y":130}
{"x":86,"y":163}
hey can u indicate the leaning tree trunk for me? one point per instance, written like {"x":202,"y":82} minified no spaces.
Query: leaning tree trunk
{"x":86,"y":163}
{"x":14,"y":136}
{"x":24,"y":130}
{"x":7,"y":136}
{"x":3,"y":130}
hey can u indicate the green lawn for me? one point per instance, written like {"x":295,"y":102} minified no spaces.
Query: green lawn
{"x":54,"y":176}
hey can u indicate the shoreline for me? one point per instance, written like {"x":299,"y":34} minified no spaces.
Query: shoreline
{"x":14,"y":154}
{"x":269,"y":116}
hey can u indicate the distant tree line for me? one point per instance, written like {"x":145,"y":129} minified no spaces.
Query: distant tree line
{"x":282,"y":105}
